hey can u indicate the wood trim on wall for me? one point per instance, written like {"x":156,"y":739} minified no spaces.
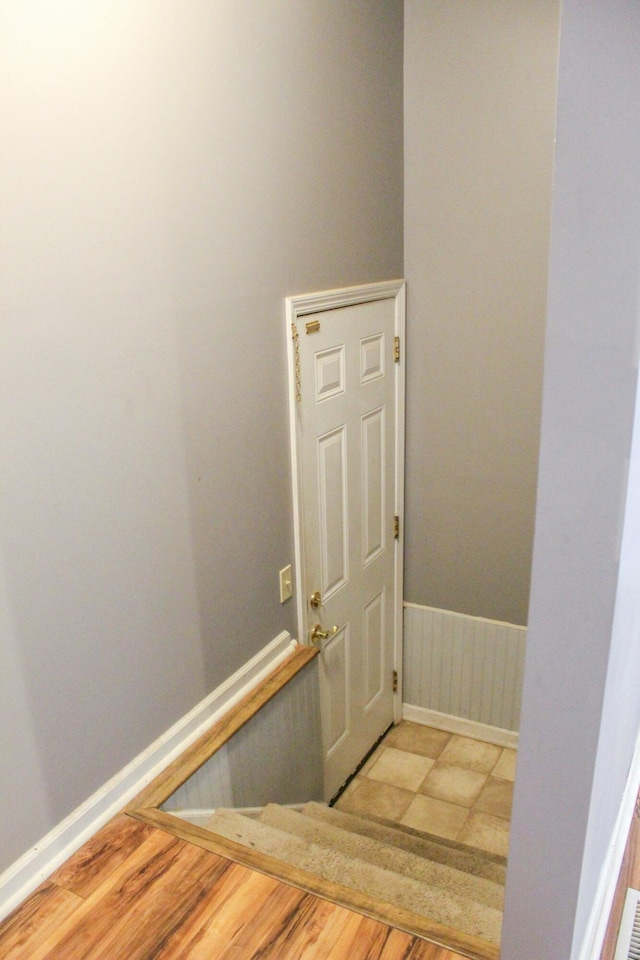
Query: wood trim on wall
{"x":203,"y":749}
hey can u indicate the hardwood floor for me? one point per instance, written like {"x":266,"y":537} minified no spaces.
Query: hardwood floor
{"x":135,"y":892}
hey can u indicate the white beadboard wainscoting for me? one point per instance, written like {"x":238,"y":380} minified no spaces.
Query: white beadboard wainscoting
{"x":276,"y":757}
{"x":463,"y":673}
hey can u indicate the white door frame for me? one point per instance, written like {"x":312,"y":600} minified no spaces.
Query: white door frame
{"x":296,"y":308}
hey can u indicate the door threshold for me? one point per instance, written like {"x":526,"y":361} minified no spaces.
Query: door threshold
{"x":352,"y":776}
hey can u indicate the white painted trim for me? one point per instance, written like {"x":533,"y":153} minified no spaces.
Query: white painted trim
{"x":296,"y":480}
{"x":465,"y":616}
{"x":461,"y":726}
{"x":400,"y":319}
{"x":306,"y":303}
{"x":196,"y":816}
{"x":23,"y":876}
{"x":601,"y":908}
{"x":200,"y":817}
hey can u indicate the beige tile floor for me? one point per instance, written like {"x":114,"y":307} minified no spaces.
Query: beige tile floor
{"x":442,"y":783}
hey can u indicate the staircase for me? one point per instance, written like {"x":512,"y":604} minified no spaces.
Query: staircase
{"x":443,"y":890}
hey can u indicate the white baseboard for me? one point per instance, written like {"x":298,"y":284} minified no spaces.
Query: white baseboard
{"x":200,"y":817}
{"x":601,"y":908}
{"x":459,"y":725}
{"x":22,"y":877}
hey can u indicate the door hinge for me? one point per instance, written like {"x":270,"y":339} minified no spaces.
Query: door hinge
{"x":395,"y":681}
{"x":396,"y":527}
{"x":396,"y":349}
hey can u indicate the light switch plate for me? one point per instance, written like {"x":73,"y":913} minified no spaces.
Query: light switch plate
{"x":286,"y":584}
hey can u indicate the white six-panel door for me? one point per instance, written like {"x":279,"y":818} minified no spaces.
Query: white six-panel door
{"x":347,"y":430}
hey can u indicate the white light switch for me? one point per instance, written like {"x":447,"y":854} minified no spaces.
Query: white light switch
{"x":286,"y":584}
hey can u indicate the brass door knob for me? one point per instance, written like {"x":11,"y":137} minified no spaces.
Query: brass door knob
{"x":318,"y":634}
{"x":315,"y":600}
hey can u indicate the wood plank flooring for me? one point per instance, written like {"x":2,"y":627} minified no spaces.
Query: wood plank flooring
{"x":135,"y":892}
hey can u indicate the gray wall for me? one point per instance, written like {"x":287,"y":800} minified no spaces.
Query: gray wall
{"x":581,"y":710}
{"x":480,"y":85}
{"x":169,"y":173}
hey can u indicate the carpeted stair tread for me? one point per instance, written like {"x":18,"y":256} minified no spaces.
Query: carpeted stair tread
{"x":384,"y":855}
{"x":468,"y":916}
{"x":464,"y":858}
{"x":443,"y":841}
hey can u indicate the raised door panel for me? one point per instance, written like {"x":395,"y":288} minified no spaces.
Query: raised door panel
{"x":333,"y":512}
{"x":374,"y":627}
{"x":336,"y":695}
{"x":373,"y":484}
{"x":329,"y":378}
